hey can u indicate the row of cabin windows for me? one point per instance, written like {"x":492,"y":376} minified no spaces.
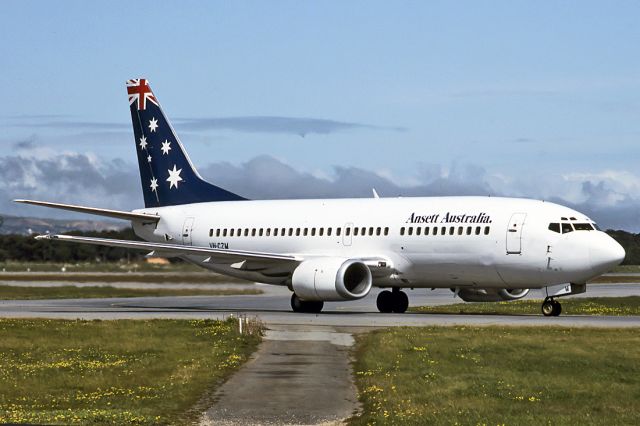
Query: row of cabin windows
{"x":290,"y":232}
{"x":443,"y":230}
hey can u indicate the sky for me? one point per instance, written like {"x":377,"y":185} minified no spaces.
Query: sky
{"x":290,"y":99}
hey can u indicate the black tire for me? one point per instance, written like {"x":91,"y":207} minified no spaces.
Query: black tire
{"x":548,"y":308}
{"x":384,"y":302}
{"x":297,"y":305}
{"x":315,"y":307}
{"x":306,"y":306}
{"x":557,"y":308}
{"x":400,"y":302}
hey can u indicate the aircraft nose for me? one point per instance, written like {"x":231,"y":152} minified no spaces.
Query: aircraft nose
{"x":605,"y":254}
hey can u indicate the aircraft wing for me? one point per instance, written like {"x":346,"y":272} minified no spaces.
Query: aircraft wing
{"x":239,"y":259}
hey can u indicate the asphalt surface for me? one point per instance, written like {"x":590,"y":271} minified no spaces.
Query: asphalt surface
{"x":273,"y":308}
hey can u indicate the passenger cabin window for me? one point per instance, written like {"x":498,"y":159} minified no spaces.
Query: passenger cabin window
{"x":328,"y":232}
{"x":386,"y":230}
{"x":451,"y":230}
{"x":313,"y":232}
{"x":297,"y":232}
{"x":378,"y":231}
{"x":305,"y":231}
{"x":426,"y":230}
{"x":486,"y":230}
{"x":477,"y":230}
{"x":460,"y":228}
{"x":290,"y":232}
{"x":217,"y":232}
{"x":435,"y":230}
{"x":339,"y":231}
{"x":370,"y":231}
{"x":355,"y":232}
{"x":410,"y":230}
{"x":469,"y":230}
{"x":402,"y":231}
{"x":555,"y":227}
{"x":566,"y":227}
{"x":211,"y":232}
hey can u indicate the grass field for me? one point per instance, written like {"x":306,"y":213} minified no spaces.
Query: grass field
{"x":618,"y":306}
{"x":498,"y":375}
{"x":115,"y":372}
{"x":136,"y":277}
{"x":73,"y":292}
{"x":13,"y":266}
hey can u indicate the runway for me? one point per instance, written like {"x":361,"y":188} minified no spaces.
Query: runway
{"x":273,"y":308}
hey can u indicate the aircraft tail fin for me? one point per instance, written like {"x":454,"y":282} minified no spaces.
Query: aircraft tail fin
{"x":168,"y":177}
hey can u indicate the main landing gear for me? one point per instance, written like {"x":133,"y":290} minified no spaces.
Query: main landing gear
{"x":551,"y":307}
{"x":392,"y":301}
{"x":306,"y":306}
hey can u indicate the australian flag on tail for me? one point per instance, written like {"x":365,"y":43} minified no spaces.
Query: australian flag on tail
{"x":167,"y":175}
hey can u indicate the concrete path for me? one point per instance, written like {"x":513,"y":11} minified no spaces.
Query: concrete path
{"x":300,"y":375}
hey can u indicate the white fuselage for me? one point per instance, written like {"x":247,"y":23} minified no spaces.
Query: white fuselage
{"x":483,"y":242}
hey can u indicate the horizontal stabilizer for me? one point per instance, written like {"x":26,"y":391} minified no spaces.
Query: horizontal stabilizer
{"x":116,"y":214}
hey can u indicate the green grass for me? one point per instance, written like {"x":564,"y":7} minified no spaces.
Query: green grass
{"x":618,"y":306}
{"x":627,"y":268}
{"x":13,"y":266}
{"x":73,"y":292}
{"x":144,"y":277}
{"x":498,"y":375}
{"x":115,"y":372}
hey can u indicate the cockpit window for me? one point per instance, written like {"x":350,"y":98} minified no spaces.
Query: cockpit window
{"x":566,"y":227}
{"x":583,"y":226}
{"x":555,"y":227}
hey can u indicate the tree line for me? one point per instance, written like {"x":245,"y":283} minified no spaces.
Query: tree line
{"x":27,"y":249}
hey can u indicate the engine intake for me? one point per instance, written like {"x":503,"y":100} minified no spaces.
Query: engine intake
{"x":331,"y":278}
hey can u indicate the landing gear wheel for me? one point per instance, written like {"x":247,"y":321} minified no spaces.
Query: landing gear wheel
{"x":306,"y":306}
{"x":551,"y":308}
{"x":384,"y":302}
{"x":400,"y":302}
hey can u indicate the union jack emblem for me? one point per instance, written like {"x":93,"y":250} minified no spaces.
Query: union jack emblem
{"x":139,"y":90}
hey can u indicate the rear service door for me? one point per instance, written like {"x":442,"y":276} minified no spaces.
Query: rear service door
{"x":187,"y":230}
{"x":514,"y":233}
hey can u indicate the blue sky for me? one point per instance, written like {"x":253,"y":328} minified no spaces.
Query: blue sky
{"x":510,"y":98}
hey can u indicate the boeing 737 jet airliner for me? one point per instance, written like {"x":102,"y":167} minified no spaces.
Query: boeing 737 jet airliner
{"x":482,"y":248}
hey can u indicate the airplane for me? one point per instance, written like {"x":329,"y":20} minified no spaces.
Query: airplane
{"x":484,"y":249}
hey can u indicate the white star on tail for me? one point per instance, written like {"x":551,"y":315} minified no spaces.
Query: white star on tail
{"x":174,"y":177}
{"x":143,"y":142}
{"x":154,"y":184}
{"x":149,"y":159}
{"x":166,"y":147}
{"x":153,"y":124}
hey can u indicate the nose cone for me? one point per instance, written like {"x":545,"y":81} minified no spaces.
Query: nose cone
{"x":605,"y":253}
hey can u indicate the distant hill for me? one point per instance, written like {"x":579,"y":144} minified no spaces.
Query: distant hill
{"x":33,"y":225}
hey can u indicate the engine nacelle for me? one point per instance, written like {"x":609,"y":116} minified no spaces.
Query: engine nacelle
{"x":491,"y":295}
{"x":331,"y":278}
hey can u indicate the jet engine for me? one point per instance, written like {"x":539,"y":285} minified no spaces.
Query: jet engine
{"x":331,"y":278}
{"x":491,"y":295}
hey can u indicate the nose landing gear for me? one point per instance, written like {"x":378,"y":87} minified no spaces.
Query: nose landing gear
{"x":392,"y":301}
{"x":551,"y":307}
